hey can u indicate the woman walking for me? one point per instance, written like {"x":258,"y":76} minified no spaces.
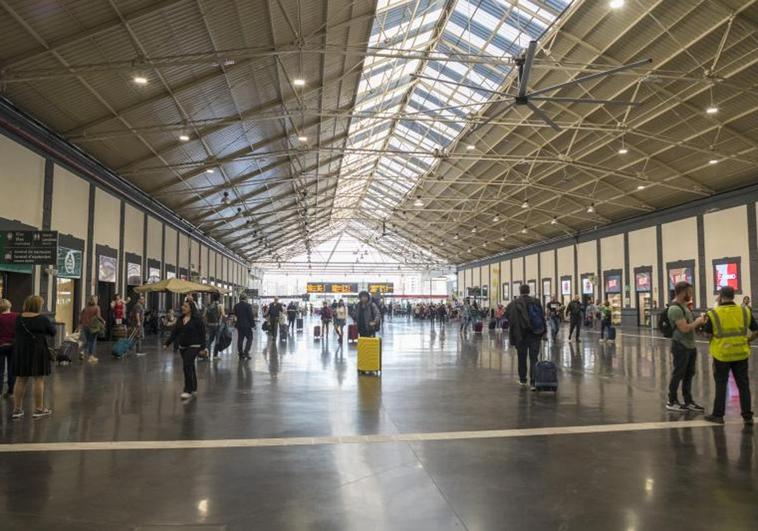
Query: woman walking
{"x":92,"y":324}
{"x":7,"y":334}
{"x":31,"y":357}
{"x":189,"y":333}
{"x":340,"y":318}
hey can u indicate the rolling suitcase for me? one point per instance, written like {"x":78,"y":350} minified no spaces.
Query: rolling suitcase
{"x":478,"y":327}
{"x":67,"y":352}
{"x":317,"y":332}
{"x":352,"y":333}
{"x":123,"y":345}
{"x":369,"y":355}
{"x":283,"y":332}
{"x":546,"y":376}
{"x":299,"y":324}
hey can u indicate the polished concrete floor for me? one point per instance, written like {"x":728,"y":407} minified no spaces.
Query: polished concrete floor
{"x":430,"y":459}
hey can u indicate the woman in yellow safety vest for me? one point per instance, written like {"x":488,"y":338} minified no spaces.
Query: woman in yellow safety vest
{"x":732,"y":328}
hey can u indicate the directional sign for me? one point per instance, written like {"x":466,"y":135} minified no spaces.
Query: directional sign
{"x":381,"y":287}
{"x":29,"y":247}
{"x":325,"y":287}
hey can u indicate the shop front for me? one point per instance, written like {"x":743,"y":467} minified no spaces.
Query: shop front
{"x":613,"y":288}
{"x":566,"y":290}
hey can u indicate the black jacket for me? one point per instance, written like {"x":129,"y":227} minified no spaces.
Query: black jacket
{"x":518,"y":319}
{"x":192,"y":333}
{"x":244,"y":313}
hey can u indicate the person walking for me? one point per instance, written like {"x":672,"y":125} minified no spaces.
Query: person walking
{"x":605,"y":320}
{"x":214,"y":315}
{"x":367,"y":315}
{"x":527,"y":326}
{"x":291,"y":315}
{"x":554,"y":317}
{"x":190,"y":335}
{"x":326,"y":318}
{"x":274,"y":316}
{"x":31,"y":356}
{"x":137,"y":318}
{"x":732,"y":328}
{"x":91,"y":324}
{"x":683,"y":348}
{"x":574,"y":313}
{"x":340,"y":318}
{"x":466,"y":317}
{"x":7,"y":335}
{"x":245,"y":322}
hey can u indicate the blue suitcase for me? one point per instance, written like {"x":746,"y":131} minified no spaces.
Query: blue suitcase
{"x":123,"y":345}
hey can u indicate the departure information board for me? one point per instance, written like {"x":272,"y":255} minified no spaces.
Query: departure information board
{"x":331,"y":287}
{"x":381,"y":287}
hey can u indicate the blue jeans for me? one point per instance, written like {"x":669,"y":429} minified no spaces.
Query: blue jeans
{"x":604,"y":325}
{"x":90,"y":342}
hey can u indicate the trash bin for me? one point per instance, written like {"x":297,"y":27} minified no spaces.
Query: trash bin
{"x":60,"y":334}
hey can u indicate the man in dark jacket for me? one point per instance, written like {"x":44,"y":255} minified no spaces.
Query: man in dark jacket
{"x":245,"y":324}
{"x":574,"y":312}
{"x":522,"y":333}
{"x":275,"y":309}
{"x":367,"y":315}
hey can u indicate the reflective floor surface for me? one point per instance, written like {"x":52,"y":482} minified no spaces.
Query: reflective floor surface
{"x":433,"y":381}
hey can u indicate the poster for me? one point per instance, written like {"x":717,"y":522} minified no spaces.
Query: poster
{"x":566,"y":286}
{"x":69,"y":263}
{"x":726,"y":273}
{"x":170,"y":274}
{"x":587,"y":287}
{"x":133,"y":274}
{"x":679,"y":274}
{"x":153,"y":275}
{"x":547,"y":288}
{"x":613,"y":284}
{"x":106,"y":269}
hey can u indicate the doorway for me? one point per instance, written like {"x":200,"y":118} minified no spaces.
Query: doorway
{"x":67,"y":302}
{"x":16,"y":287}
{"x":105,"y":293}
{"x":644,"y":306}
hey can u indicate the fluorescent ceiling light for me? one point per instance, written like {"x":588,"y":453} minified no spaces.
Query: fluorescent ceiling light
{"x":418,"y":202}
{"x":140,"y":80}
{"x":470,"y":147}
{"x":209,"y":170}
{"x":184,"y":138}
{"x":299,"y":82}
{"x":554,"y":221}
{"x":616,"y":4}
{"x":523,"y":231}
{"x":640,"y":187}
{"x":623,"y":151}
{"x":713,"y":161}
{"x":591,"y":208}
{"x":712,"y":109}
{"x":303,"y":138}
{"x":525,"y":204}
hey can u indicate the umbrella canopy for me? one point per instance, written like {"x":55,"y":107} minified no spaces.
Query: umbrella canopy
{"x":177,"y":285}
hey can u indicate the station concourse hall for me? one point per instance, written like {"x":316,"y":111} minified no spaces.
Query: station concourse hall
{"x":378,"y":265}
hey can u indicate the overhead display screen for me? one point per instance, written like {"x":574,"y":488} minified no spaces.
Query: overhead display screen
{"x":381,"y":287}
{"x":329,"y":287}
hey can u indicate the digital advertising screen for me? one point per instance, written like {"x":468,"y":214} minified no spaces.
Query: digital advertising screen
{"x":587,"y":287}
{"x":381,"y":287}
{"x":106,"y":269}
{"x":154,"y":275}
{"x":726,"y":272}
{"x":643,"y":281}
{"x":133,"y":274}
{"x":680,"y":274}
{"x":566,"y":286}
{"x":613,"y":284}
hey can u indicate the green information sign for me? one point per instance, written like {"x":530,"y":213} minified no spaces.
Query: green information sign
{"x":69,"y":263}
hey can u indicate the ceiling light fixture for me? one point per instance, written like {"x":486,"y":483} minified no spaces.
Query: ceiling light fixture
{"x":713,"y":161}
{"x":184,"y":138}
{"x":418,"y":202}
{"x":299,"y":82}
{"x":554,"y":221}
{"x":470,"y":147}
{"x":469,"y":249}
{"x":616,"y":4}
{"x":711,"y":109}
{"x":525,"y":204}
{"x":473,"y":230}
{"x":591,"y":209}
{"x":140,"y":80}
{"x":623,"y":150}
{"x":302,"y":138}
{"x":523,"y":231}
{"x":640,"y":187}
{"x":502,"y":238}
{"x":496,"y":219}
{"x":209,"y":170}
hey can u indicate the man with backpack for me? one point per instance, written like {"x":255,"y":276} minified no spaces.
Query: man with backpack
{"x":213,"y":315}
{"x":574,"y":311}
{"x":527,"y":326}
{"x":679,"y":324}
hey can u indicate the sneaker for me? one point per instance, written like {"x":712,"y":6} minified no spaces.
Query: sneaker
{"x":19,"y":413}
{"x":694,"y":406}
{"x":675,"y":406}
{"x":92,"y":359}
{"x":185,"y":395}
{"x":523,"y":383}
{"x":39,"y":413}
{"x":714,"y":419}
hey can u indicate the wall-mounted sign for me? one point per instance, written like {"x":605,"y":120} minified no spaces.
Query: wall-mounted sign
{"x":106,"y":269}
{"x":643,"y":281}
{"x":727,"y":272}
{"x":170,"y":274}
{"x":506,"y":291}
{"x":381,"y":287}
{"x":29,"y":247}
{"x":327,"y":287}
{"x":153,"y":275}
{"x":565,"y":286}
{"x":69,"y":263}
{"x":473,"y":292}
{"x":133,"y":274}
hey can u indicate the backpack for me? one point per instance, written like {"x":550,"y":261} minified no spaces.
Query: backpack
{"x":212,"y":314}
{"x":535,"y":318}
{"x":96,"y":325}
{"x":665,"y":326}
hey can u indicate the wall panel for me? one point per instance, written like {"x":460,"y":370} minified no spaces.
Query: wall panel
{"x":154,"y":234}
{"x":70,"y":203}
{"x":134,"y":223}
{"x":643,"y":252}
{"x":22,"y":174}
{"x":726,"y":235}
{"x":679,"y":242}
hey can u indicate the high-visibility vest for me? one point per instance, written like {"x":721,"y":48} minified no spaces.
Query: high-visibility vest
{"x":731,"y":324}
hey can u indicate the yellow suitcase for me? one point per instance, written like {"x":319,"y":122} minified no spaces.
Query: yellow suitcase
{"x":369,"y":355}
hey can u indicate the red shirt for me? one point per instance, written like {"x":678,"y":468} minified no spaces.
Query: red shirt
{"x":7,"y":327}
{"x":118,"y":310}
